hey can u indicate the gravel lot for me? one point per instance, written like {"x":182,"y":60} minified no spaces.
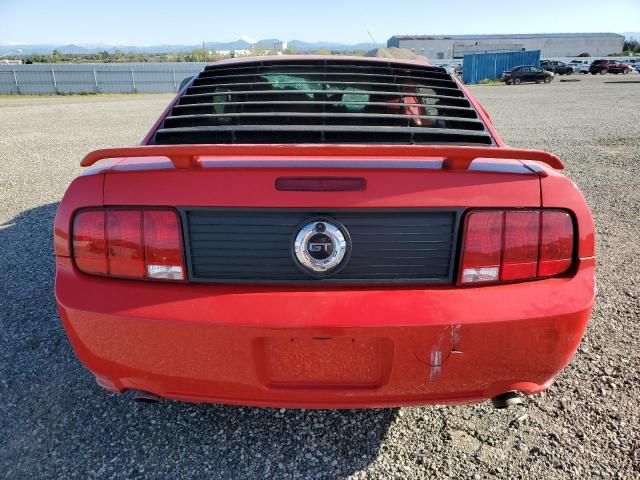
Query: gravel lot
{"x":56,"y":422}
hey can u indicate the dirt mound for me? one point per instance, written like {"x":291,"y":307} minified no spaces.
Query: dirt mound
{"x":394,"y":52}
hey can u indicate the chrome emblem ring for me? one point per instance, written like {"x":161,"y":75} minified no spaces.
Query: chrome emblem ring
{"x":320,"y":246}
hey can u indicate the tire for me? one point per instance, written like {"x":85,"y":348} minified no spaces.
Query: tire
{"x":569,"y":72}
{"x":604,"y":71}
{"x":626,"y":70}
{"x":516,"y":81}
{"x":548,"y":79}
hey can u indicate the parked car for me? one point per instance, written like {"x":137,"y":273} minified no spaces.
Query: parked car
{"x":634,"y":63}
{"x":527,"y":73}
{"x":449,"y":68}
{"x":609,"y":66}
{"x":557,"y":67}
{"x":324,"y":232}
{"x":580,"y":66}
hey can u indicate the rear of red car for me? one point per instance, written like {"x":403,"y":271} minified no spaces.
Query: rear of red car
{"x":321,"y":232}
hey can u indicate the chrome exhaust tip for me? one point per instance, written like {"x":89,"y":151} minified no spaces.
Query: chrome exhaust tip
{"x":145,"y":397}
{"x":506,"y":399}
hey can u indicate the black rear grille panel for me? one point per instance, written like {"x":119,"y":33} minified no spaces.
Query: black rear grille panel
{"x":255,"y":246}
{"x":323,"y":101}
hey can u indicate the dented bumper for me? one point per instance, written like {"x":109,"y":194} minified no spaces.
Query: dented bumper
{"x":325,"y":348}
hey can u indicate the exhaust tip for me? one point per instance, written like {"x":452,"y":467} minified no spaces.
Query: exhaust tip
{"x":506,"y":399}
{"x":145,"y":397}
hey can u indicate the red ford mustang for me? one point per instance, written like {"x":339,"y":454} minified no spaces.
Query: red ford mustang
{"x":324,"y":232}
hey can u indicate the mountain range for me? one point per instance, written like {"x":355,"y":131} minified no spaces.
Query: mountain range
{"x":241,"y":44}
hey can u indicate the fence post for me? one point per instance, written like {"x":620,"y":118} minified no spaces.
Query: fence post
{"x":133,"y":80}
{"x":95,"y":79}
{"x":55,"y":84}
{"x":15,"y":79}
{"x":175,"y":84}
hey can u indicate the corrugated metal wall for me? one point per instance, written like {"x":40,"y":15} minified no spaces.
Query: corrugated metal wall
{"x":51,"y":79}
{"x":489,"y":66}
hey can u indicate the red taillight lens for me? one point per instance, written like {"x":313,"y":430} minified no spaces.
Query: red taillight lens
{"x":89,"y":242}
{"x":520,"y":250}
{"x":130,"y":243}
{"x":509,"y":245}
{"x":163,"y":245}
{"x":483,"y":245}
{"x":556,"y":243}
{"x":124,"y":243}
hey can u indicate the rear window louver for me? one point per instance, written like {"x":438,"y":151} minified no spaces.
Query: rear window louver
{"x":323,"y":101}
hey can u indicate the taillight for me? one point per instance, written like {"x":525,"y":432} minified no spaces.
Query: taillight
{"x":163,"y":245}
{"x":89,"y":242}
{"x":556,"y":243}
{"x":520,"y":248}
{"x":129,"y":243}
{"x":124,"y":243}
{"x":512,"y":245}
{"x":483,"y":243}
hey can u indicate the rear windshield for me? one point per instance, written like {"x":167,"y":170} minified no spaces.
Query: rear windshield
{"x":323,"y":102}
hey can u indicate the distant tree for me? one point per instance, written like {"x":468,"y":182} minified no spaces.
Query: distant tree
{"x":259,"y":49}
{"x":291,"y":51}
{"x":323,"y":51}
{"x":585,"y":54}
{"x":632,"y":45}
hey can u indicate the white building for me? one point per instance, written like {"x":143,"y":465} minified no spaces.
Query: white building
{"x":280,"y":46}
{"x":438,"y":47}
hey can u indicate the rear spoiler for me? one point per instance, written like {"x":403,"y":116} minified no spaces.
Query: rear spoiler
{"x":454,"y":157}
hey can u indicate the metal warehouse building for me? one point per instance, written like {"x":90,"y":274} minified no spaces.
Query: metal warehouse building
{"x":437,"y":47}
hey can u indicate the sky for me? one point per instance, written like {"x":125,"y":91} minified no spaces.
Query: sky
{"x":155,"y":22}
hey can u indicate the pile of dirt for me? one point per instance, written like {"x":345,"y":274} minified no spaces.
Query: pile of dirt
{"x":395,"y":52}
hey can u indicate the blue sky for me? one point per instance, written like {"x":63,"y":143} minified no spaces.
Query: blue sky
{"x":152,"y":22}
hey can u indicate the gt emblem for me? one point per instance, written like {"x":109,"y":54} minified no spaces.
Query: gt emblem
{"x":320,"y":246}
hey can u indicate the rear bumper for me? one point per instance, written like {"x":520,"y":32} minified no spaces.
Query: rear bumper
{"x":335,"y":348}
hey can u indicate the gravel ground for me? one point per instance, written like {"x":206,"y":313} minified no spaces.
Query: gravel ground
{"x":56,"y":422}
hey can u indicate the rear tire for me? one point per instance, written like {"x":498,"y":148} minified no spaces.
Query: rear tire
{"x":604,"y":71}
{"x":626,"y":70}
{"x":569,"y":72}
{"x":516,"y":81}
{"x":547,"y":79}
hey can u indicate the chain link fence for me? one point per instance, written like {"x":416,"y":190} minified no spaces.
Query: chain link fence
{"x":54,"y":79}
